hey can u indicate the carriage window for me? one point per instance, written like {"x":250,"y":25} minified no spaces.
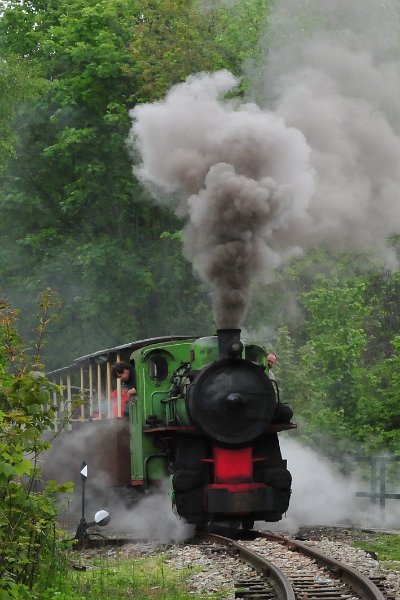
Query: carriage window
{"x":158,"y":367}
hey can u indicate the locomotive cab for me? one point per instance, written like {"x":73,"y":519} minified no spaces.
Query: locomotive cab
{"x":205,"y":415}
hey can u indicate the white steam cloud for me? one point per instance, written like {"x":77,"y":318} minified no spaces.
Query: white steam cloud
{"x":321,"y":495}
{"x":339,"y":83}
{"x":136,"y":514}
{"x":150,"y":518}
{"x":321,"y":165}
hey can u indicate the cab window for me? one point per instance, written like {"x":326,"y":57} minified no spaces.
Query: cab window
{"x":157,"y":367}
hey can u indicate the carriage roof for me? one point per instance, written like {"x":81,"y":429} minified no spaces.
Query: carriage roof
{"x":103,"y":355}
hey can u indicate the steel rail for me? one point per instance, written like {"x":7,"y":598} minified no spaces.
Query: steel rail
{"x":359,"y":583}
{"x":281,"y":583}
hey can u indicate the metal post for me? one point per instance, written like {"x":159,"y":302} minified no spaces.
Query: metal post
{"x":81,"y":531}
{"x":382,"y":481}
{"x":373,"y":480}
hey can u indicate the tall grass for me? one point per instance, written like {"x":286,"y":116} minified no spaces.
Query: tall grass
{"x":147,"y":578}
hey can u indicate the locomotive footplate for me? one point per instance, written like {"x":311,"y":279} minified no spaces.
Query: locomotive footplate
{"x":239,"y":499}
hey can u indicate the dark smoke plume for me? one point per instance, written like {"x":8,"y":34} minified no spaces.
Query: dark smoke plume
{"x":242,"y":176}
{"x":321,"y":166}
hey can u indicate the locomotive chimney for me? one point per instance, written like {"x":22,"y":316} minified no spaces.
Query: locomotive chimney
{"x":229,"y":343}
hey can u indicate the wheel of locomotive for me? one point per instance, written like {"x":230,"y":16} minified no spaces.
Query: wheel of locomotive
{"x":232,"y":401}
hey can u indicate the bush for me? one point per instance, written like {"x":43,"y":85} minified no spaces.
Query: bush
{"x":29,"y":538}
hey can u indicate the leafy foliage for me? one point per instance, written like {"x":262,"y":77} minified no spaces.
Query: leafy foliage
{"x":28,"y":534}
{"x":73,"y":217}
{"x":339,"y":369}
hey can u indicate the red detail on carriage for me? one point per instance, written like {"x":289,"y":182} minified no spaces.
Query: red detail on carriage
{"x":233,"y":466}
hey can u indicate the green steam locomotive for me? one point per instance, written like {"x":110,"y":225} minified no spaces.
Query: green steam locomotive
{"x":205,"y":415}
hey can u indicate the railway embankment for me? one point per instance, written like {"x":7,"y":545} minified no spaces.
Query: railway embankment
{"x":211,"y":568}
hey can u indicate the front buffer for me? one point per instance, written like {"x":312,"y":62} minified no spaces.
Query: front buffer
{"x":236,"y":494}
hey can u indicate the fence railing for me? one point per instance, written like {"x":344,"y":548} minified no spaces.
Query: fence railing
{"x":378,"y":482}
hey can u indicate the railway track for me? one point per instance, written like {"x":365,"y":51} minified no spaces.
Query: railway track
{"x":291,"y":570}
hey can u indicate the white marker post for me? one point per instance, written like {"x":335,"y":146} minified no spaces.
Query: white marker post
{"x":81,"y":531}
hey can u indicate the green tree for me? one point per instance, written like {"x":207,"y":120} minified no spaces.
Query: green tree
{"x":72,"y":215}
{"x":343,"y":383}
{"x":376,"y":423}
{"x":174,"y":38}
{"x":332,"y":357}
{"x":289,"y":375}
{"x":336,"y":321}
